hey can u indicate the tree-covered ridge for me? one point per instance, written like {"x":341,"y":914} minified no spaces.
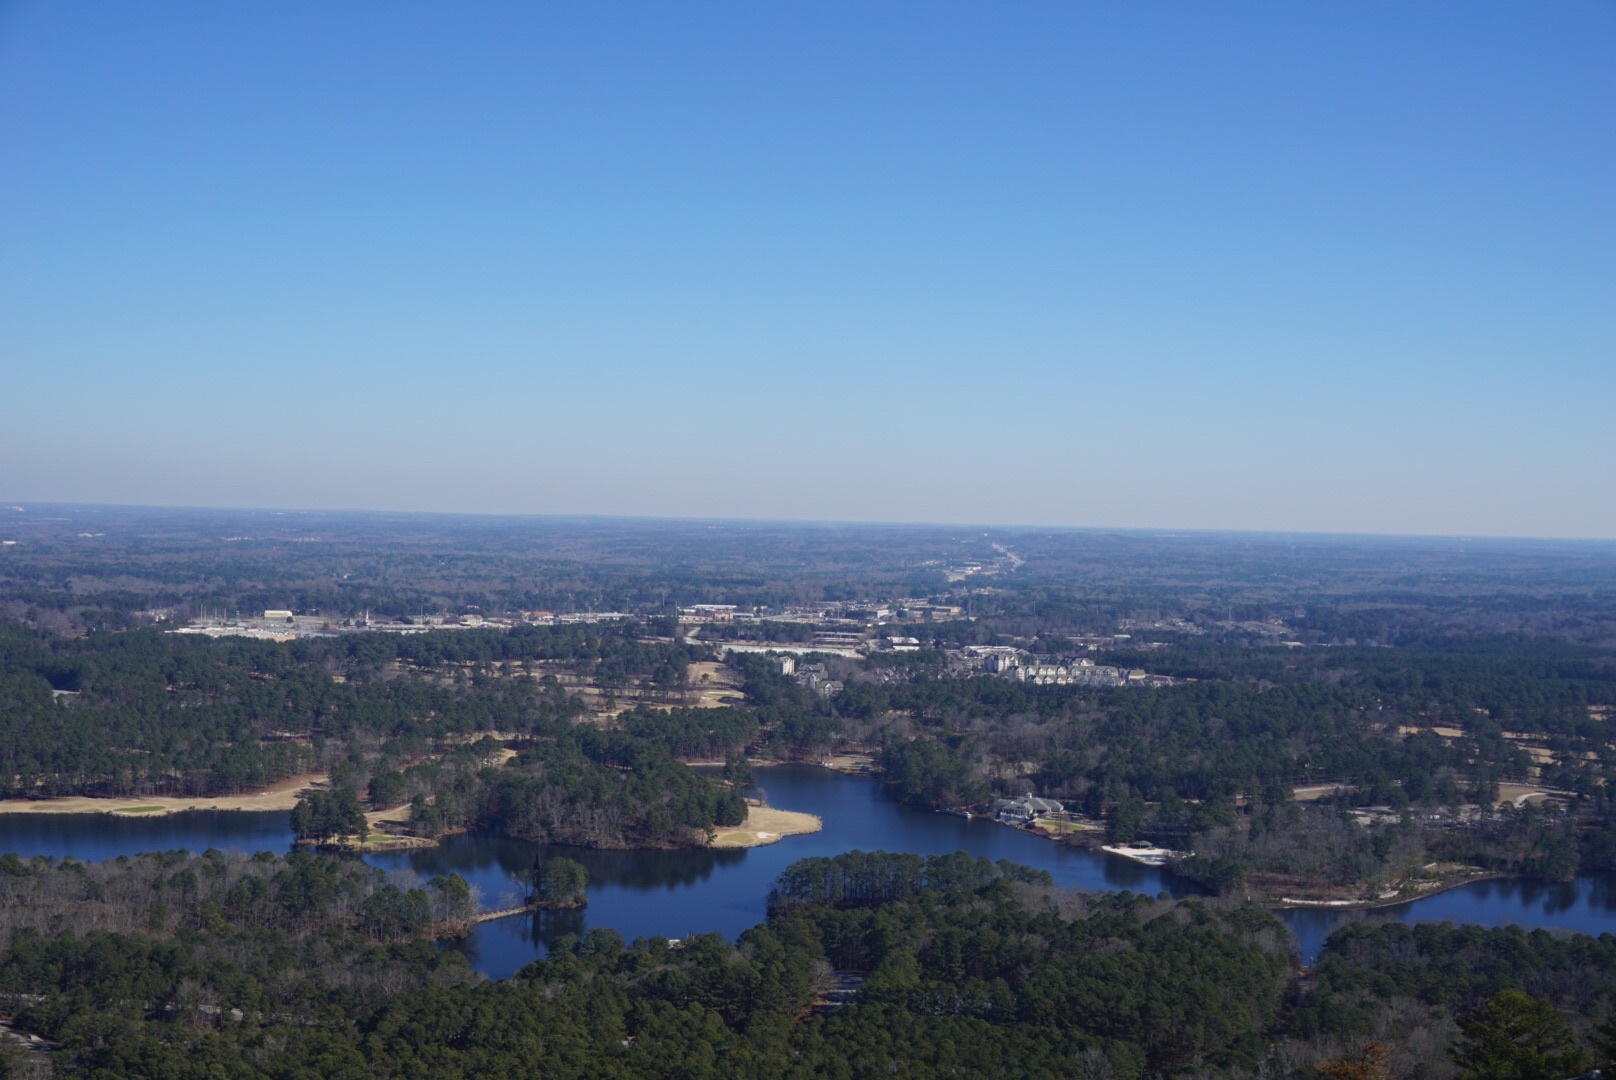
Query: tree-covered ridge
{"x":385,"y":714}
{"x":713,"y":734}
{"x":1543,"y":684}
{"x":152,"y":713}
{"x":1414,"y":988}
{"x":192,"y":967}
{"x":579,"y":786}
{"x":1355,"y":716}
{"x":1461,"y":966}
{"x":1163,"y":985}
{"x":172,"y":892}
{"x":865,"y":879}
{"x":973,"y":967}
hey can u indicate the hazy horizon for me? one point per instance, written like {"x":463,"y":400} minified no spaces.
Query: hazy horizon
{"x":1337,"y":269}
{"x":652,"y":519}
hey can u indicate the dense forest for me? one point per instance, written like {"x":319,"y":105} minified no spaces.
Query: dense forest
{"x":1360,"y":718}
{"x":148,"y":713}
{"x":1365,"y":717}
{"x":173,"y":967}
{"x":1211,"y":765}
{"x":142,"y":712}
{"x":582,"y":786}
{"x":1208,"y":765}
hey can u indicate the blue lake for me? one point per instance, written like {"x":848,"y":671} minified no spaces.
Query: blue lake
{"x":95,"y":837}
{"x":1586,"y":905}
{"x":675,"y":893}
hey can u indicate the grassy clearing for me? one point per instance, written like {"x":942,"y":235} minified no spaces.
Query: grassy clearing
{"x":766,"y":825}
{"x":1063,"y":826}
{"x":137,"y":809}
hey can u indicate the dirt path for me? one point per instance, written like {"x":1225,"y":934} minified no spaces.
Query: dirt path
{"x":392,"y":815}
{"x":282,"y":796}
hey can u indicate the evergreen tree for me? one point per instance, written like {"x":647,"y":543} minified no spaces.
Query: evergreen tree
{"x":1516,"y":1037}
{"x":560,"y":883}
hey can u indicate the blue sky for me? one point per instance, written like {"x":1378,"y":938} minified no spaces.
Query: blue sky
{"x":1334,"y":266}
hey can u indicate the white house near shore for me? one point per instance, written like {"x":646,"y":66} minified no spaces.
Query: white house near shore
{"x":1028,"y":807}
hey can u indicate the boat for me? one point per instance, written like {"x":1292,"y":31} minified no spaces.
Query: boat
{"x":955,"y":811}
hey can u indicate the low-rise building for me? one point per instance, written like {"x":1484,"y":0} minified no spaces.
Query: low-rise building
{"x":1027,"y":808}
{"x":1081,"y":674}
{"x":830,"y":637}
{"x":708,"y":612}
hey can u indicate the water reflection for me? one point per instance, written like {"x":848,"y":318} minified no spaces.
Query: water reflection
{"x":95,"y":837}
{"x":675,"y":893}
{"x":495,"y":863}
{"x":1601,"y":892}
{"x":1587,"y":905}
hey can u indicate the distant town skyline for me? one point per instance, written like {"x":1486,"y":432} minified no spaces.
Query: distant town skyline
{"x":1258,"y":267}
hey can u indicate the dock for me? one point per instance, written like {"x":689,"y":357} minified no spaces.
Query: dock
{"x":1141,"y":851}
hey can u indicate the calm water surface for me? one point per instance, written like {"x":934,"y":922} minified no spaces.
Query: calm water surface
{"x":94,"y":837}
{"x":647,"y":893}
{"x":1586,"y":905}
{"x":675,"y":893}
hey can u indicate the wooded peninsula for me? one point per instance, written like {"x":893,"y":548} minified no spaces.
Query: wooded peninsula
{"x":1306,"y":722}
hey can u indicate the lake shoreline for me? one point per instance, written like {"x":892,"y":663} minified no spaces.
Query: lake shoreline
{"x":387,"y":842}
{"x":1092,"y":842}
{"x":766,"y":825}
{"x":280,"y":796}
{"x":698,"y":889}
{"x":1290,"y":904}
